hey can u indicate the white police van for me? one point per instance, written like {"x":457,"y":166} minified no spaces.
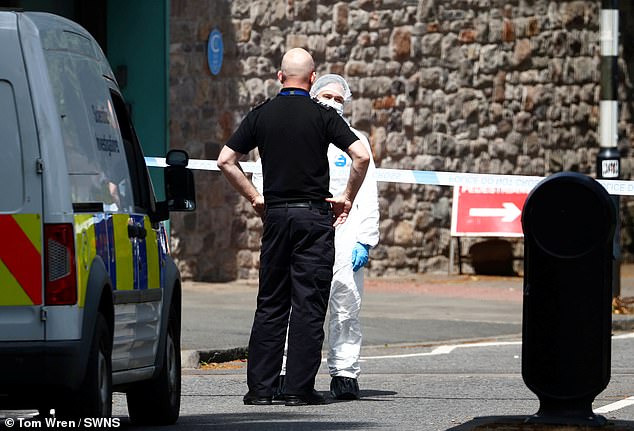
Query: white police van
{"x":90,"y":299}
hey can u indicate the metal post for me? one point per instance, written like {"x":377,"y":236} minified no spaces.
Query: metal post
{"x":609,"y":159}
{"x":451,"y":253}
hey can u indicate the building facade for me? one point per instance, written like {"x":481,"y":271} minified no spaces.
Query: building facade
{"x":483,"y":86}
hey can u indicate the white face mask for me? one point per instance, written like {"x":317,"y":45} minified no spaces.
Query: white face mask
{"x":333,"y":104}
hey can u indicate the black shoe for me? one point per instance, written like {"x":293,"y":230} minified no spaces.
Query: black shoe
{"x":344,"y":388}
{"x":256,"y":400}
{"x":312,"y":398}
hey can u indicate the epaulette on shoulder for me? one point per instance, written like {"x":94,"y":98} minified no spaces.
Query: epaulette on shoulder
{"x":258,"y":106}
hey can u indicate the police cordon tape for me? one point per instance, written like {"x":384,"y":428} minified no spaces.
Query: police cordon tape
{"x":515,"y":183}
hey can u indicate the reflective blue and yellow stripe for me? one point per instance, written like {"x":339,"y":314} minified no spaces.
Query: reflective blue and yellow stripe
{"x":153,"y":261}
{"x":132,"y":263}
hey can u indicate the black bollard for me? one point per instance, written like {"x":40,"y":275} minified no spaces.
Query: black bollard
{"x":568,"y":221}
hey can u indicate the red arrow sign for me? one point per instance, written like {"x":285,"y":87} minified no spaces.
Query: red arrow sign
{"x":487,"y":212}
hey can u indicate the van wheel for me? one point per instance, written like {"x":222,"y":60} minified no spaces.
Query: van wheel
{"x":158,"y":402}
{"x":94,"y":399}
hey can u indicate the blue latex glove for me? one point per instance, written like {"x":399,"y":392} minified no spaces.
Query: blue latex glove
{"x":360,"y":256}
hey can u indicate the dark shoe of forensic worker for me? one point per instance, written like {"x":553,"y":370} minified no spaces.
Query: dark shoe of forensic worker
{"x":344,"y":388}
{"x":256,"y":400}
{"x":312,"y":398}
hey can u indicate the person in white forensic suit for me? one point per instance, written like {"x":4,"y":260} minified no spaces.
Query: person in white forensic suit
{"x":353,"y":241}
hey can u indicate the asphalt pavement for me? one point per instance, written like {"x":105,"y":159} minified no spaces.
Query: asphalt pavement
{"x":441,"y":352}
{"x":397,"y":313}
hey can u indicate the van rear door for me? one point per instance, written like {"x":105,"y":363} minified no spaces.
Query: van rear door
{"x":21,"y":264}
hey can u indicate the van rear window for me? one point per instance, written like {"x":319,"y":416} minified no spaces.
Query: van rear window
{"x":66,"y":40}
{"x":95,"y":155}
{"x":11,"y":175}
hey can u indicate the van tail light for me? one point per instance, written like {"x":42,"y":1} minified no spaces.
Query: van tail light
{"x":61,"y":283}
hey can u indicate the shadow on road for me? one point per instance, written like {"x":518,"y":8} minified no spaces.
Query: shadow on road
{"x":518,"y":423}
{"x":256,"y":422}
{"x":367,"y":395}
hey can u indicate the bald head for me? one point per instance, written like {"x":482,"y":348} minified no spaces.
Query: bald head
{"x":298,"y":69}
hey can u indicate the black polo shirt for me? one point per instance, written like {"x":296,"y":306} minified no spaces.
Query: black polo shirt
{"x":292,"y":132}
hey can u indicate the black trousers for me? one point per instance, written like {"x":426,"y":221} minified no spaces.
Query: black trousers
{"x":296,"y":262}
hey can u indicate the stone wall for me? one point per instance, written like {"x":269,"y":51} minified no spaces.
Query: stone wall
{"x":485,"y":86}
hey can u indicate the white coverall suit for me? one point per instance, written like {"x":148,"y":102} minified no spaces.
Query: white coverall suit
{"x":346,"y":291}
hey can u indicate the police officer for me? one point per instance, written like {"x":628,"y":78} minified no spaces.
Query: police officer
{"x":292,"y":133}
{"x":353,"y":240}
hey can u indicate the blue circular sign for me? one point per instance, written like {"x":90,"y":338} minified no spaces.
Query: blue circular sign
{"x":214,"y":51}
